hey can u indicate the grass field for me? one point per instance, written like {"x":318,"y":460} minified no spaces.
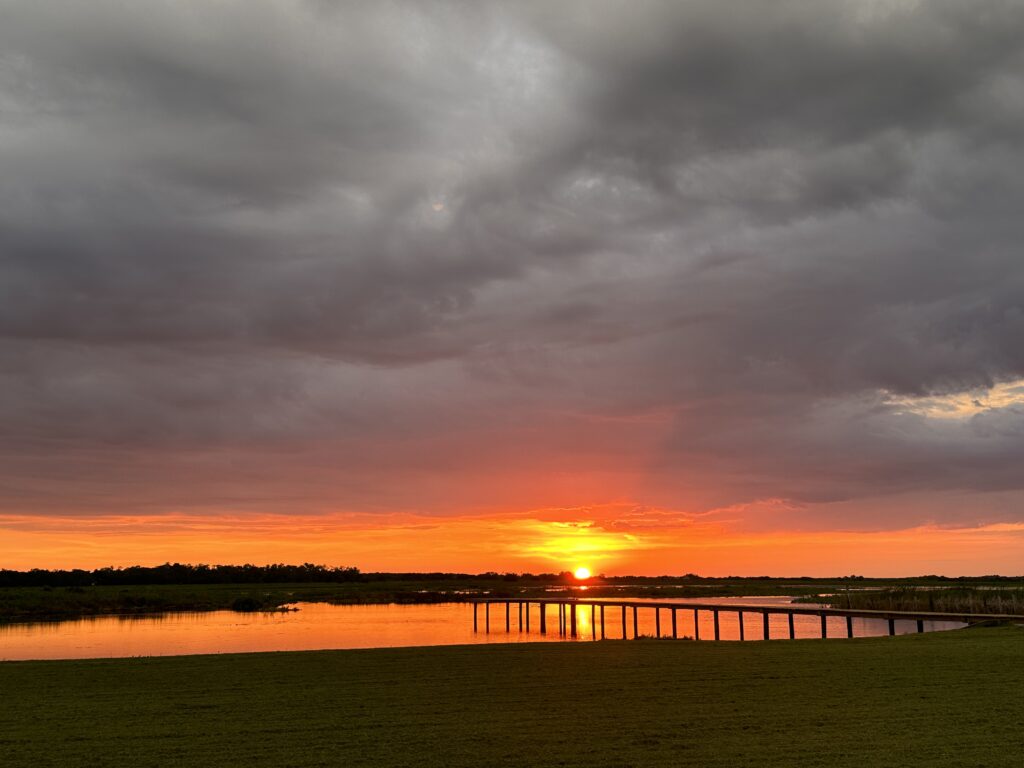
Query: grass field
{"x":942,"y":699}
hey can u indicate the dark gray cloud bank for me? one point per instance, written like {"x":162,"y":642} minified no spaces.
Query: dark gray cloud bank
{"x":300,"y":256}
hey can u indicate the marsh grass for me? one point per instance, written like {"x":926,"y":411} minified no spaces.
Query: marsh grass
{"x":1009,"y":600}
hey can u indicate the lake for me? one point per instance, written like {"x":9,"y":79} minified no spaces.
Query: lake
{"x":318,"y":626}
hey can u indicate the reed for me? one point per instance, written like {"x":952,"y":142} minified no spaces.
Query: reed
{"x":1008,"y":600}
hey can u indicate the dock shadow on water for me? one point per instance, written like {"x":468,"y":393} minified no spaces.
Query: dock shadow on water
{"x":318,"y":626}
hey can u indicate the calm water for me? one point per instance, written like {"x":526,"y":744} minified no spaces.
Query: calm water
{"x":319,"y":626}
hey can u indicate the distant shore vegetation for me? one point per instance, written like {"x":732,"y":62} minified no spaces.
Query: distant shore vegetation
{"x":280,"y":573}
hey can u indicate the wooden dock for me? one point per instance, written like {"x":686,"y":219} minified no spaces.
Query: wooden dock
{"x":568,"y":609}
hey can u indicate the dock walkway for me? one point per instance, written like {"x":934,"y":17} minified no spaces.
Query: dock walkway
{"x":569,"y":607}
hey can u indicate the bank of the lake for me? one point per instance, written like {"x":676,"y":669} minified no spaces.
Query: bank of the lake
{"x":19,"y":604}
{"x":46,"y":602}
{"x":942,"y":699}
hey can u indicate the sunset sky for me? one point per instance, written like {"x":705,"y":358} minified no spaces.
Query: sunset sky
{"x":648,"y":287}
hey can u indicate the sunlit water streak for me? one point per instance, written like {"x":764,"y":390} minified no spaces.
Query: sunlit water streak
{"x":320,"y":626}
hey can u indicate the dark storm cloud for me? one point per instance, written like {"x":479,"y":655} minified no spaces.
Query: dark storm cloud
{"x":337,"y":241}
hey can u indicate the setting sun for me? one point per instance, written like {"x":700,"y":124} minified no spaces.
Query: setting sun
{"x":582,"y":572}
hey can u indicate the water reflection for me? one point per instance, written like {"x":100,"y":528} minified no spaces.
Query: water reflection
{"x":320,"y":626}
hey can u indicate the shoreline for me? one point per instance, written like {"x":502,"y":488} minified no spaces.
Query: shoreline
{"x":944,"y":698}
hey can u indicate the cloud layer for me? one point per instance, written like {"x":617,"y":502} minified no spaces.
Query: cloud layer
{"x":289,"y":257}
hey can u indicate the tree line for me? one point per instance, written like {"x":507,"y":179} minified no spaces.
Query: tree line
{"x":280,"y":573}
{"x":179,"y":573}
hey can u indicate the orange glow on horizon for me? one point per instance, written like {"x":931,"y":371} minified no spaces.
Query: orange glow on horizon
{"x":536,"y":542}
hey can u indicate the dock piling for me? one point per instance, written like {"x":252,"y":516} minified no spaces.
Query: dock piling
{"x":569,"y":618}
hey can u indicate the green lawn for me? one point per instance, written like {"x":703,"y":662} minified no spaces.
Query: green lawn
{"x":942,"y":699}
